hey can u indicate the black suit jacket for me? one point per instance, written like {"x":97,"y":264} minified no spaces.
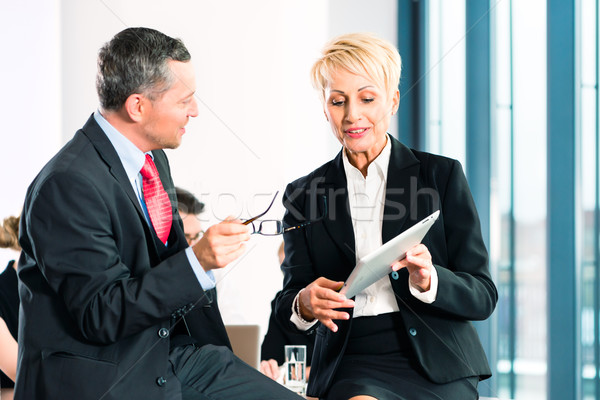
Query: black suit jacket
{"x":99,"y":291}
{"x":444,"y":342}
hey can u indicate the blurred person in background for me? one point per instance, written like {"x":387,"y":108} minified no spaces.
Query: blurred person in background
{"x":9,"y":309}
{"x":190,"y":208}
{"x":272,"y":350}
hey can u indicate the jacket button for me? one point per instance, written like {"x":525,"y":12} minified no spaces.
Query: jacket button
{"x":412,"y":331}
{"x":163,"y":333}
{"x":160,"y":381}
{"x":395,"y":275}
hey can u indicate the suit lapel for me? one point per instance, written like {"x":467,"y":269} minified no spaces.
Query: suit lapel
{"x":108,"y":153}
{"x":338,"y":221}
{"x":110,"y":157}
{"x":401,"y":190}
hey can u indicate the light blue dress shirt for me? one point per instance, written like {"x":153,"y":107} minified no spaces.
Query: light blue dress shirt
{"x":133,"y":160}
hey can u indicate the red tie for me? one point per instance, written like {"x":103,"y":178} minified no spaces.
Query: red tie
{"x":157,"y":200}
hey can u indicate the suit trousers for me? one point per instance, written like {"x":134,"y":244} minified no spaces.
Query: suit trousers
{"x":213,"y":372}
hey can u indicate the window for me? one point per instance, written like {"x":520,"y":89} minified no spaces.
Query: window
{"x":446,"y":79}
{"x":518,"y":196}
{"x":588,"y":224}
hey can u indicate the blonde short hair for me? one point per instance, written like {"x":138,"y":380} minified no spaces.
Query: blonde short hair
{"x":358,"y":53}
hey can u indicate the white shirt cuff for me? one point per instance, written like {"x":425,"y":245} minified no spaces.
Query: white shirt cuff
{"x":206,"y":279}
{"x":429,"y":296}
{"x":297,"y":319}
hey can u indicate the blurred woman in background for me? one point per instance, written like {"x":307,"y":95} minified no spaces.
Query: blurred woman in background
{"x":9,"y":309}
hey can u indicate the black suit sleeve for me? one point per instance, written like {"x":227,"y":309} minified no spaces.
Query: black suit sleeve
{"x":465,"y":287}
{"x":72,"y":224}
{"x":297,"y":265}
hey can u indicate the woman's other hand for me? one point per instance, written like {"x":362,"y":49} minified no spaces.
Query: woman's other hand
{"x":320,"y":299}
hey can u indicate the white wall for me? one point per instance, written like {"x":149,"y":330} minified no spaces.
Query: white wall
{"x":30,"y":101}
{"x":260,"y":125}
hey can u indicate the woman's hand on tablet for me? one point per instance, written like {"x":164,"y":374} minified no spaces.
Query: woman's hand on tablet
{"x":419,"y":265}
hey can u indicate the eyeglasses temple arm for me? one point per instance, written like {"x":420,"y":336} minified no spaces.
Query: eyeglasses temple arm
{"x":291,"y":228}
{"x":260,"y":215}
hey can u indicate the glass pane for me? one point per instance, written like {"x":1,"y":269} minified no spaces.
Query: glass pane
{"x":501,"y":202}
{"x":588,"y":41}
{"x":529,"y":116}
{"x":501,"y":248}
{"x":587,"y":227}
{"x":518,"y":220}
{"x":434,"y":132}
{"x":446,"y":79}
{"x":587,"y":234}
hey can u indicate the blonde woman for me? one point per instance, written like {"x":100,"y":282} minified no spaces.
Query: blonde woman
{"x":407,"y":336}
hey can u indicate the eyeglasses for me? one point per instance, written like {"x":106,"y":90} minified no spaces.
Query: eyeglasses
{"x":274,"y":227}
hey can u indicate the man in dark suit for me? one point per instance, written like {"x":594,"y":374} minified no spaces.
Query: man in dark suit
{"x":115,"y":304}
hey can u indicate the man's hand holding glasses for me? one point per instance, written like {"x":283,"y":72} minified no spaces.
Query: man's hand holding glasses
{"x":221,"y":244}
{"x":273,"y":227}
{"x":226,"y":241}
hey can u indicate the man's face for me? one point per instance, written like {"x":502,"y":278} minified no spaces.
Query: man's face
{"x":191,"y":227}
{"x":165,"y":117}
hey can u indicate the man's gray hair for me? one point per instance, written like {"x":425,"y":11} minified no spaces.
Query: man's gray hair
{"x":136,"y":61}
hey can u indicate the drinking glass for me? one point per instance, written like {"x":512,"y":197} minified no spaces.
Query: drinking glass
{"x":295,"y":368}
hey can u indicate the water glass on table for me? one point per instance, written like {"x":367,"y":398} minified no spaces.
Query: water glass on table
{"x":295,"y":369}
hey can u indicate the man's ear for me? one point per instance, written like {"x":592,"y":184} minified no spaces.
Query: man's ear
{"x":135,"y":105}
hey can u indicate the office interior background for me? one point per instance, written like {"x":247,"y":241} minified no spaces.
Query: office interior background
{"x":508,"y":87}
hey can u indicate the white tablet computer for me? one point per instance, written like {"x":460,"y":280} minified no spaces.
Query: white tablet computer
{"x":378,"y":263}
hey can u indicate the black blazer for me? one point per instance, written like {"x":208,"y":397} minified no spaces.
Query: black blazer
{"x":98,"y":289}
{"x":444,"y":342}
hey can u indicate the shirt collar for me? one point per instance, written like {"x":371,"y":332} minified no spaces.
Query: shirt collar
{"x":379,"y":164}
{"x":131,"y":157}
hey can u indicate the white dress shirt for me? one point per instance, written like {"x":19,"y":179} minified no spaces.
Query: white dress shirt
{"x":366,"y":196}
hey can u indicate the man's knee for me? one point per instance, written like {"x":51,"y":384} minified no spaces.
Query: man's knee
{"x":216,"y":354}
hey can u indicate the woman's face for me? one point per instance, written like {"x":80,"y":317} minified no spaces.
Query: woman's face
{"x":359,"y":111}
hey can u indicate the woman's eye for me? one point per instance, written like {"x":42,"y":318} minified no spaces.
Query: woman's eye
{"x":368,"y":100}
{"x":337,"y":102}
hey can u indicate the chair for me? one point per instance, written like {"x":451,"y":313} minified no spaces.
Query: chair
{"x":245,"y":341}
